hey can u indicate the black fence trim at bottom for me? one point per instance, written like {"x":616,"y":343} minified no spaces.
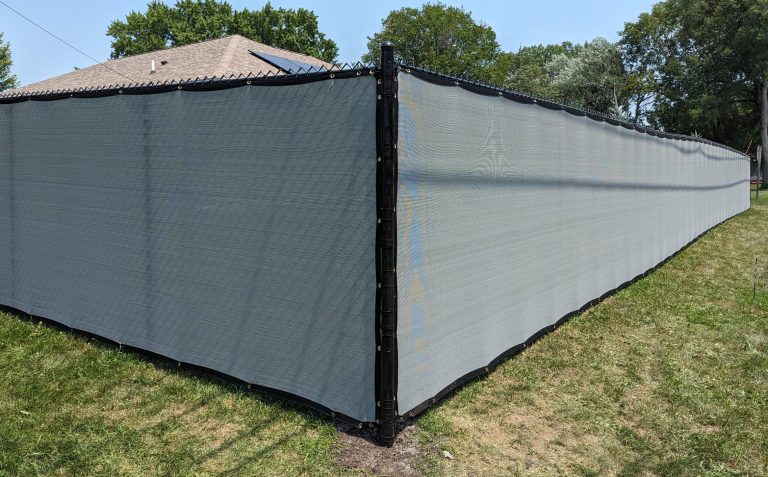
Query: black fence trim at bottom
{"x":511,"y":352}
{"x":287,"y":397}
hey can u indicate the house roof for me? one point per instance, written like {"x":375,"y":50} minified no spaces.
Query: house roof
{"x":231,"y":55}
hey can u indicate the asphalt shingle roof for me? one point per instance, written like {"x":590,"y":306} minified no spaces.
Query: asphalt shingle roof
{"x":226,"y":56}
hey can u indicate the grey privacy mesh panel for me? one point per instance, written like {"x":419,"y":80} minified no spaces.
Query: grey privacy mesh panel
{"x":232,"y":229}
{"x":512,"y":215}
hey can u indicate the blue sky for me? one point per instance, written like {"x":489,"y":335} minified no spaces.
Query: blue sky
{"x":83,"y":23}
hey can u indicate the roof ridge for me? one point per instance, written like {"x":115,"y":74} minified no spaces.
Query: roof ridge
{"x":231,"y":37}
{"x":226,"y":57}
{"x":174,"y":47}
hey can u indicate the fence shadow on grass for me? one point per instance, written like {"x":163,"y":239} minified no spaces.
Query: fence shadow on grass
{"x":173,"y":367}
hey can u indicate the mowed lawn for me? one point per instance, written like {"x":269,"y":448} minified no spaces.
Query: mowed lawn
{"x":667,"y":377}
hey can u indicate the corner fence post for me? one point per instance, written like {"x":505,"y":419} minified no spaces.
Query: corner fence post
{"x":386,"y":238}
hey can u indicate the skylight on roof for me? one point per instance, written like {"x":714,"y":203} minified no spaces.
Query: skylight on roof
{"x":288,"y":66}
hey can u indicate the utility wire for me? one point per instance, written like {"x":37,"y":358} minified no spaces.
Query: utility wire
{"x":62,"y":40}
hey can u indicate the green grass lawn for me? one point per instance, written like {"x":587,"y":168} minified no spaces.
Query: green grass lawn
{"x":667,"y":377}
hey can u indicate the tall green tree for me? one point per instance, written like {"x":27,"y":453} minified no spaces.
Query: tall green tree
{"x":190,"y":21}
{"x":591,"y":78}
{"x":7,"y":80}
{"x":704,"y":63}
{"x":445,"y":38}
{"x":294,"y":30}
{"x":645,"y":44}
{"x":528,"y":68}
{"x":590,"y":75}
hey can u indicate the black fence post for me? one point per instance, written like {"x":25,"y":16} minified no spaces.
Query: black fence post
{"x":386,"y":250}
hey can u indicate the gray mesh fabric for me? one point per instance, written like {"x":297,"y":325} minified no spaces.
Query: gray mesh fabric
{"x":235,"y":229}
{"x":512,"y":215}
{"x":232,"y":229}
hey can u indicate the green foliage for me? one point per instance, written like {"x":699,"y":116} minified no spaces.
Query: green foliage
{"x":444,"y":38}
{"x":698,"y":65}
{"x":191,"y":21}
{"x":7,"y":80}
{"x":644,"y":45}
{"x":294,"y":30}
{"x":591,"y":78}
{"x":527,"y":68}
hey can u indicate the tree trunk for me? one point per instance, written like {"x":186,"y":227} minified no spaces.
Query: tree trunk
{"x":764,"y":128}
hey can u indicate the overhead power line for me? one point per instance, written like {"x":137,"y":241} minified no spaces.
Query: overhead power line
{"x":63,"y":41}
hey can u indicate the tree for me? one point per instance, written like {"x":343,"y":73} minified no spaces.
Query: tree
{"x":527,"y":68}
{"x":589,"y":76}
{"x":7,"y":80}
{"x":592,"y":78}
{"x":444,"y":38}
{"x":190,"y":21}
{"x":644,"y":44}
{"x":705,"y":65}
{"x":292,"y":30}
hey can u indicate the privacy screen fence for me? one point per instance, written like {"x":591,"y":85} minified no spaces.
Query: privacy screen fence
{"x":361,"y":240}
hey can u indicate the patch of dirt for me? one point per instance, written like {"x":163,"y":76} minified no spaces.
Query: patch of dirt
{"x":358,"y":449}
{"x":525,"y":441}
